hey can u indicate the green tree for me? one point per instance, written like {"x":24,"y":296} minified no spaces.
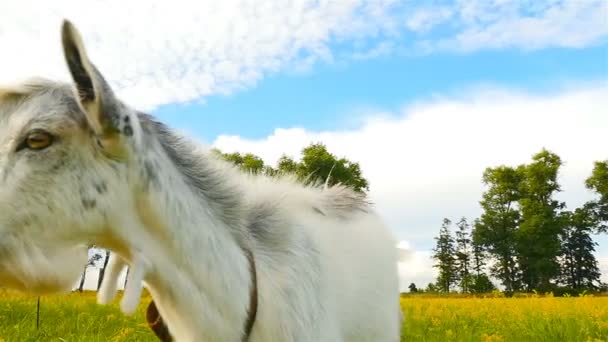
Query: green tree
{"x":444,"y":253}
{"x":481,"y":283}
{"x":431,"y":288}
{"x":496,"y":229}
{"x":538,"y":243}
{"x":287,"y":165}
{"x":247,"y":162}
{"x":316,"y":165}
{"x":412,"y":287}
{"x":478,"y":257}
{"x":320,"y":165}
{"x":598,"y":182}
{"x":579,"y":266}
{"x":463,"y":254}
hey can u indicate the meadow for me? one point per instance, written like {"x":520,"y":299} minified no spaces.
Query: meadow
{"x":77,"y":317}
{"x":496,"y":318}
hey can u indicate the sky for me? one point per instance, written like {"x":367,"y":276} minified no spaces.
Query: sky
{"x":423,"y":94}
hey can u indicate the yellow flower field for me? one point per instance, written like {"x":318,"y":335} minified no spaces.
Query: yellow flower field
{"x":77,"y":317}
{"x":532,"y":318}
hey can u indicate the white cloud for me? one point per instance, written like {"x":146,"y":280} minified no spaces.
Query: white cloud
{"x":603,"y":265}
{"x":161,"y":52}
{"x":424,"y":19}
{"x":425,"y":162}
{"x":168,"y":51}
{"x":485,"y":24}
{"x":414,"y":267}
{"x":418,"y":270}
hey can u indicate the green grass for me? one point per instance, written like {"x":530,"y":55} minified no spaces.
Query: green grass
{"x":77,"y":317}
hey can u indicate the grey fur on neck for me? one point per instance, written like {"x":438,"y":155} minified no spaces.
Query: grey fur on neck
{"x":226,"y":199}
{"x":202,"y":175}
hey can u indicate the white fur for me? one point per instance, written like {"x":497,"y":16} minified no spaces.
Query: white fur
{"x":200,"y":280}
{"x":109,"y":286}
{"x":326,"y":273}
{"x":132,"y":293}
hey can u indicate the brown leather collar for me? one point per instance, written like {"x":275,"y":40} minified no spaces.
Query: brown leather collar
{"x":253,"y":296}
{"x":156,"y":323}
{"x":160,"y":329}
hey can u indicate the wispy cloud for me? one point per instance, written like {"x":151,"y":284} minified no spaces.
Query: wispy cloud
{"x":425,"y":162}
{"x":176,"y":51}
{"x":173,"y":51}
{"x":528,"y":25}
{"x":424,"y":19}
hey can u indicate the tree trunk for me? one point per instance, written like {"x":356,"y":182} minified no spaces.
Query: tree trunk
{"x":84,"y":274}
{"x":127,"y":277}
{"x":103,"y":270}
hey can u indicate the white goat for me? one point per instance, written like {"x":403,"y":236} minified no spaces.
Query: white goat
{"x":226,"y":256}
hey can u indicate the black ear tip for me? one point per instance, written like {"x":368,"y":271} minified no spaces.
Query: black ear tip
{"x":69,"y":33}
{"x":66,"y":27}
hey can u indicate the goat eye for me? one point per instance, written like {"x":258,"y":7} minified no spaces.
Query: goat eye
{"x":38,"y":140}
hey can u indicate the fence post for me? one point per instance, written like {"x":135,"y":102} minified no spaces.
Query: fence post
{"x":38,"y":314}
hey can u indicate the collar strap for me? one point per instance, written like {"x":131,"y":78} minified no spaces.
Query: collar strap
{"x":160,"y":329}
{"x":253,"y":296}
{"x":156,"y":323}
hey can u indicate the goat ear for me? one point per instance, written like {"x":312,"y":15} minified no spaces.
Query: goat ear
{"x":94,"y":94}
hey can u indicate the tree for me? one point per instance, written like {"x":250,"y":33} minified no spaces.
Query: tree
{"x":538,"y":243}
{"x":126,"y":277}
{"x":431,"y":288}
{"x":598,"y":182}
{"x":102,"y":271}
{"x":413,"y":288}
{"x":316,"y":165}
{"x":247,"y":162}
{"x":579,"y":266}
{"x":463,"y":254}
{"x":478,"y":254}
{"x":320,"y":165}
{"x":90,"y":262}
{"x":444,"y":253}
{"x":481,"y":283}
{"x":286,"y":164}
{"x":496,"y":229}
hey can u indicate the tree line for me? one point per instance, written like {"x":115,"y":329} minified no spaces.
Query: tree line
{"x":316,"y":164}
{"x":528,"y":239}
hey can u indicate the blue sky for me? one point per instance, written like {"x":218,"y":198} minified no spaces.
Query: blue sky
{"x":329,"y":95}
{"x":423,"y":94}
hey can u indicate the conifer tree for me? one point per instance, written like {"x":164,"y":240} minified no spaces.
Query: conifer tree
{"x":445,"y":255}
